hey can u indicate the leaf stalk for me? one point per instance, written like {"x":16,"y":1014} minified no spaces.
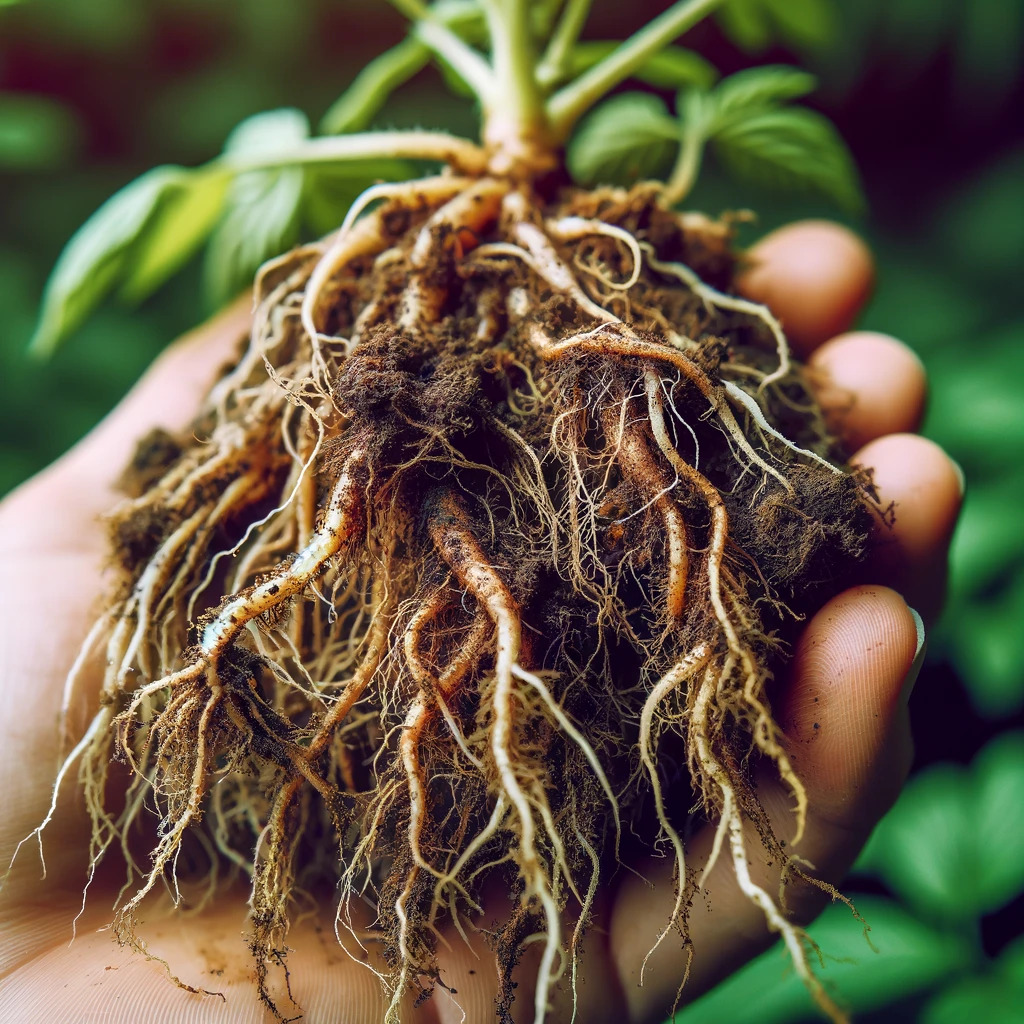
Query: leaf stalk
{"x":567,"y":105}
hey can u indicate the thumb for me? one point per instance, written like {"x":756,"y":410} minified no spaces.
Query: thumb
{"x":81,"y":483}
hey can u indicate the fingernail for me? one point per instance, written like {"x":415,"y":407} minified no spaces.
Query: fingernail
{"x":915,"y":667}
{"x":960,"y":476}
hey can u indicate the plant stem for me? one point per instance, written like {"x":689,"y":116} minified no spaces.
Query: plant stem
{"x":515,"y":120}
{"x":414,"y":145}
{"x":361,"y":101}
{"x":555,"y":62}
{"x":687,"y":167}
{"x":446,"y":44}
{"x":568,"y":104}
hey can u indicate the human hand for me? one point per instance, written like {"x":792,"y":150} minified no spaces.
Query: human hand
{"x":843,"y":708}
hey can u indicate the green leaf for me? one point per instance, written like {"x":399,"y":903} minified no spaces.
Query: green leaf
{"x":754,"y":25}
{"x":268,"y":132}
{"x":995,"y":997}
{"x":96,"y":260}
{"x":988,"y":649}
{"x":951,"y":844}
{"x":988,"y":541}
{"x":794,"y":149}
{"x":804,"y":24}
{"x":759,"y":89}
{"x":910,"y":958}
{"x":264,"y":207}
{"x":993,"y":433}
{"x":746,"y":23}
{"x":999,"y":820}
{"x":627,"y":138}
{"x":669,"y":68}
{"x":183,"y":221}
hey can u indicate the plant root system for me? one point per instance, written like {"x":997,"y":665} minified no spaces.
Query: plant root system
{"x":498,"y":520}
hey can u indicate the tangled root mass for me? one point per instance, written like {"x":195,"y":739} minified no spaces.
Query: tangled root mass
{"x":496,"y":520}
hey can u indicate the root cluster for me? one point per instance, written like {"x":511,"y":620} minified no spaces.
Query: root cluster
{"x":496,"y":521}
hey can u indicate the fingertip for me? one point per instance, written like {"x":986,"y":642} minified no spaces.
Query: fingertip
{"x":925,"y":488}
{"x":870,"y":385}
{"x":847,"y":688}
{"x":815,"y":276}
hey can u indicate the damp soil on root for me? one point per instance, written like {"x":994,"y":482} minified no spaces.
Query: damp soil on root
{"x":504,"y":515}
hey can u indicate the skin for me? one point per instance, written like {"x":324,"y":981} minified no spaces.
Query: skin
{"x":843,"y":708}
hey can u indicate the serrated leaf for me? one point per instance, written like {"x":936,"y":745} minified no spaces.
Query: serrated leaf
{"x":669,"y":68}
{"x":910,"y":958}
{"x":263,"y":213}
{"x":94,"y":262}
{"x":627,"y":138}
{"x":951,"y":844}
{"x":759,"y":89}
{"x":794,"y":149}
{"x":182,"y":222}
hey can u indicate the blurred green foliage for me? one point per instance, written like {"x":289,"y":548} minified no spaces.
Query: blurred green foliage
{"x":92,"y":94}
{"x":950,"y":852}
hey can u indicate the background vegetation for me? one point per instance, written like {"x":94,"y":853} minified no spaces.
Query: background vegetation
{"x":925,"y":91}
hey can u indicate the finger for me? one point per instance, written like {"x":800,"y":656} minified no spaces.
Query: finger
{"x":329,"y":981}
{"x":846,"y":729}
{"x":64,"y":499}
{"x":922,"y":490}
{"x":869,"y":385}
{"x":814,"y":275}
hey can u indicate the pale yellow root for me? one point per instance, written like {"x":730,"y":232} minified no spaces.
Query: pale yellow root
{"x":764,"y":734}
{"x":712,"y":297}
{"x":732,"y":822}
{"x":679,"y":674}
{"x":467,"y":560}
{"x":569,"y":229}
{"x":360,"y":238}
{"x":473,"y":209}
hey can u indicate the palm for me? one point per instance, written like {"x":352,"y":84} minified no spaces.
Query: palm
{"x":842,"y":710}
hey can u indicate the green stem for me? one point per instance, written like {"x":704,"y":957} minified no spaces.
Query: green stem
{"x":555,"y":62}
{"x":446,"y":44}
{"x":414,"y":145}
{"x":569,"y":104}
{"x":516,"y":115}
{"x":687,"y":167}
{"x":359,"y":104}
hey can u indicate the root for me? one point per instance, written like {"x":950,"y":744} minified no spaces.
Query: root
{"x":731,"y":822}
{"x":467,"y":560}
{"x":526,"y":551}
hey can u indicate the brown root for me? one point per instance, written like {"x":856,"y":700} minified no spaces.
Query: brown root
{"x":485,"y":532}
